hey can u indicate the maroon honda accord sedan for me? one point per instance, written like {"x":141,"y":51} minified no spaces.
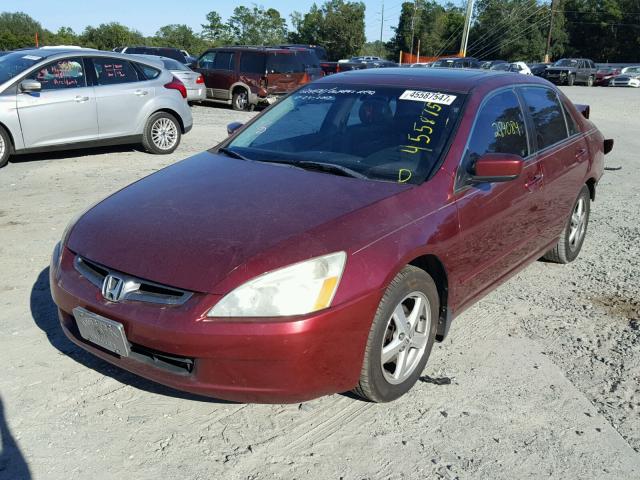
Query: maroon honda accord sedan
{"x":325,"y":245}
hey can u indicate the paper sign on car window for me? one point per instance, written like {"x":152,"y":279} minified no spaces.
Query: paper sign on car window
{"x":31,"y":57}
{"x":433,"y":97}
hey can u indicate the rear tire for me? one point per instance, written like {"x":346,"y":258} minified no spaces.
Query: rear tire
{"x":570,"y":80}
{"x":572,"y":238}
{"x":403,"y":329}
{"x":5,"y":147}
{"x":240,"y":100}
{"x":161,"y":134}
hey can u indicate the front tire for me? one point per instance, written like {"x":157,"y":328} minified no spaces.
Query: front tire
{"x":572,"y":238}
{"x":401,"y":336}
{"x":5,"y":147}
{"x":161,"y":134}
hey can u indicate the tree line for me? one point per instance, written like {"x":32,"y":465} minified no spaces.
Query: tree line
{"x":501,"y":29}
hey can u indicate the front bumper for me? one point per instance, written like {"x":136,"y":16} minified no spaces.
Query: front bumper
{"x":267,"y":361}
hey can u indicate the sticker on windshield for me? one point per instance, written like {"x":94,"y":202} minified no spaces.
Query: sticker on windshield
{"x":31,"y":57}
{"x":433,"y":97}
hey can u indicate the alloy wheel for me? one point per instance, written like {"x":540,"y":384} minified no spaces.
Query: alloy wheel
{"x":164,"y":133}
{"x":578,"y":224}
{"x":405,"y":338}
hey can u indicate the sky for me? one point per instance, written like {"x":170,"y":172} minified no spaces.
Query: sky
{"x":147,"y":16}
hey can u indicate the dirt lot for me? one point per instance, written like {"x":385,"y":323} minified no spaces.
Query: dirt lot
{"x":540,"y":379}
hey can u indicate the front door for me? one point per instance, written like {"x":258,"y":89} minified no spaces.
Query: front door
{"x":64,"y":111}
{"x":218,"y":69}
{"x":498,"y":221}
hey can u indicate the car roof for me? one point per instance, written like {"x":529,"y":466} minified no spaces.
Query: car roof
{"x":57,"y":52}
{"x":255,"y":48}
{"x":460,"y":80}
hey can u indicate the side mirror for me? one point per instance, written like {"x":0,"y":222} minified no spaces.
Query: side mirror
{"x":233,"y":126}
{"x":497,"y":167}
{"x":30,"y":86}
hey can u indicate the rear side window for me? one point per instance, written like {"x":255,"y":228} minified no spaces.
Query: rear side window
{"x":499,"y":128}
{"x":252,"y":62}
{"x":284,"y":63}
{"x":547,"y":115}
{"x":65,"y":73}
{"x":112,"y":71}
{"x":149,"y":72}
{"x":223,"y":61}
{"x":571,"y":123}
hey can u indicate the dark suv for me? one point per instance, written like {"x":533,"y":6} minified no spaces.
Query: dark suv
{"x":572,"y":70}
{"x":244,"y":77}
{"x":457,"y":62}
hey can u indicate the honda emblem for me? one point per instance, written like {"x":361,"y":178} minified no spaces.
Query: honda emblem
{"x":112,"y":288}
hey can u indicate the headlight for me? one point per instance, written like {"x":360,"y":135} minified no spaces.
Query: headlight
{"x":298,"y":289}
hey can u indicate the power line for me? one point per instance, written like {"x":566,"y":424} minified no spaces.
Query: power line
{"x":516,"y":38}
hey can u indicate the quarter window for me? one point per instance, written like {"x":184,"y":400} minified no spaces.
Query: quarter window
{"x":571,"y":123}
{"x":111,"y":71}
{"x":548,"y":118}
{"x":66,"y":73}
{"x":149,"y":72}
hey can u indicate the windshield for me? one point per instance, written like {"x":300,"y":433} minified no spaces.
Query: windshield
{"x":566,"y":62}
{"x":14,"y":63}
{"x":379,"y":132}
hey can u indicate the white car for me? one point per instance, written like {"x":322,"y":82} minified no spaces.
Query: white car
{"x":629,"y":77}
{"x":520,"y":67}
{"x":194,"y":81}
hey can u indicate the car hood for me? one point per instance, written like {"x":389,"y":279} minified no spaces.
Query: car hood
{"x":191,"y":224}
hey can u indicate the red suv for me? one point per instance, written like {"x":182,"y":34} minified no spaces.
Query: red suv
{"x":327,"y":244}
{"x":244,"y":77}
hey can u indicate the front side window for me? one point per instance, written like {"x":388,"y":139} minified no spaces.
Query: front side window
{"x":499,"y":128}
{"x":206,"y":60}
{"x":546,"y":112}
{"x":377,"y":132}
{"x":112,"y":71}
{"x":65,"y":73}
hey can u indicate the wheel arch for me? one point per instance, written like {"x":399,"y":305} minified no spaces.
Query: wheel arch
{"x":174,"y":113}
{"x":12,"y":146}
{"x":432,"y":265}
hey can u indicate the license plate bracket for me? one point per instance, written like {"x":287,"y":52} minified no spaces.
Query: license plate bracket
{"x":102,"y":331}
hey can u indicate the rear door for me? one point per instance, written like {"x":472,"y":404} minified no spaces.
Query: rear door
{"x":498,"y":221}
{"x":121,"y":95}
{"x":64,"y":111}
{"x":562,"y":150}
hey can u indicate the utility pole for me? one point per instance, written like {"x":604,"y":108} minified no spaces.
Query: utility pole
{"x":467,"y":27}
{"x":413,"y":24}
{"x":381,"y":27}
{"x":547,"y":52}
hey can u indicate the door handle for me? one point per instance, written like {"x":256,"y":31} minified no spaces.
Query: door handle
{"x":80,"y":99}
{"x":533,"y":181}
{"x":580,"y":152}
{"x":141,"y":93}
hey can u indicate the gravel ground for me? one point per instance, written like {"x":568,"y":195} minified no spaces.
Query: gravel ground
{"x":539,"y":379}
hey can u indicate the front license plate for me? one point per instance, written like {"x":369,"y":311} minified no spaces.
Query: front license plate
{"x":102,"y":331}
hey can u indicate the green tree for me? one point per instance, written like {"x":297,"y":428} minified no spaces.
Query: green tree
{"x":515,"y":30}
{"x":107,"y":36}
{"x":215,"y":31}
{"x":18,"y":30}
{"x":64,"y":36}
{"x":257,"y":26}
{"x":337,"y":25}
{"x":180,"y":36}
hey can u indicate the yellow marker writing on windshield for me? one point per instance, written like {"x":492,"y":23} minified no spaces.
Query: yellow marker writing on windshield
{"x":404,"y":175}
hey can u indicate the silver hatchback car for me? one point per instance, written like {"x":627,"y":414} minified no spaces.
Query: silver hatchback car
{"x":54,"y":99}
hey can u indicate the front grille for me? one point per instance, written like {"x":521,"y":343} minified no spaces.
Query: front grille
{"x":138,"y":289}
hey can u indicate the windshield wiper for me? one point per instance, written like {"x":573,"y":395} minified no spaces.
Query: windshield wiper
{"x":330,"y":168}
{"x":233,"y":154}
